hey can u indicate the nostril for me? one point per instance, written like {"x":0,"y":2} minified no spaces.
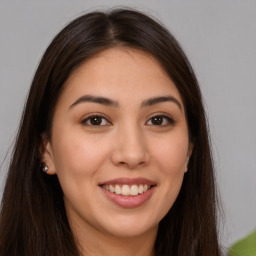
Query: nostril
{"x":129,"y":156}
{"x":131,"y":164}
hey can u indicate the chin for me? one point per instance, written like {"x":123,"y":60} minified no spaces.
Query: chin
{"x":130,"y":226}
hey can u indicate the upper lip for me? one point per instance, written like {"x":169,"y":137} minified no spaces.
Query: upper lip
{"x":129,"y":181}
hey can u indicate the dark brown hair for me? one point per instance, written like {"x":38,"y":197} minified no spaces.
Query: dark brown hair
{"x":33,"y":220}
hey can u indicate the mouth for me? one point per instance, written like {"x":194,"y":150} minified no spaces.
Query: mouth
{"x":126,"y":189}
{"x":127,"y":192}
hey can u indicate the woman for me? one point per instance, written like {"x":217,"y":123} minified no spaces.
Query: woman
{"x":112,"y":156}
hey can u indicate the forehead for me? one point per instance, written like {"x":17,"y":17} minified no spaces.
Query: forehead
{"x":119,"y":72}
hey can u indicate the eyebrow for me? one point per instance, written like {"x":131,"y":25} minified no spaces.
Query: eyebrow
{"x":112,"y":103}
{"x":95,"y":99}
{"x":156,"y":100}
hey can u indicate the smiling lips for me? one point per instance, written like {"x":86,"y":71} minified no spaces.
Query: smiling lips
{"x":127,"y":192}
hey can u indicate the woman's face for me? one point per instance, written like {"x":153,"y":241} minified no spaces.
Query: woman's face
{"x":119,"y":143}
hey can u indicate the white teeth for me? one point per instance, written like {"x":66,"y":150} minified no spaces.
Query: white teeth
{"x":141,"y":189}
{"x":118,"y":189}
{"x":134,"y":190}
{"x":111,"y":188}
{"x":127,"y":190}
{"x":145,"y":187}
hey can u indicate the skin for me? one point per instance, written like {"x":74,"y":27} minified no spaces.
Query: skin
{"x":126,"y":143}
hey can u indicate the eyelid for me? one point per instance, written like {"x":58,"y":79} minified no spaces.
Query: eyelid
{"x":91,"y":115}
{"x":169,"y":118}
{"x":166,"y":116}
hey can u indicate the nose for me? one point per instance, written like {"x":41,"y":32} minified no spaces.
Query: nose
{"x":130,"y":148}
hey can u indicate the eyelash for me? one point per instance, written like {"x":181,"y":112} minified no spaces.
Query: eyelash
{"x":168,"y":120}
{"x":164,"y":118}
{"x":90,"y":118}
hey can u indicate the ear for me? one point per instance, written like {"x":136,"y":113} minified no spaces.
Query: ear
{"x":189,"y":153}
{"x":47,"y":155}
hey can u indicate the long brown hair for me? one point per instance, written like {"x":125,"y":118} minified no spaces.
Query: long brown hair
{"x":33,"y":220}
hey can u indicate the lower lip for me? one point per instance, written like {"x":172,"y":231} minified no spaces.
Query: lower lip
{"x":129,"y":201}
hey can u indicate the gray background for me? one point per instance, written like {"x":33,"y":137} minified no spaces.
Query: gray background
{"x":220,"y":40}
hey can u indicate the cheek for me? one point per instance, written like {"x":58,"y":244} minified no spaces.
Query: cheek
{"x":171,"y":155}
{"x":78,"y":156}
{"x":172,"y":162}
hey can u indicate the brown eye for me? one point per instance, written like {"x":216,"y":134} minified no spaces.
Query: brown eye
{"x":96,"y":121}
{"x":160,"y":120}
{"x":157,"y":120}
